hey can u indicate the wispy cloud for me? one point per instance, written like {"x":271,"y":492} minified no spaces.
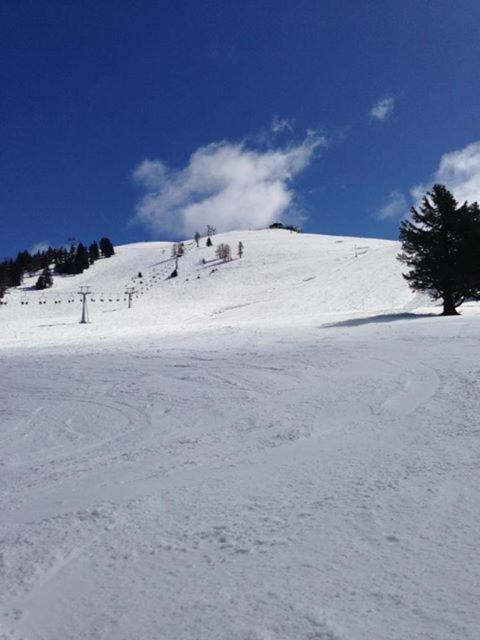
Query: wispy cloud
{"x":280,"y":125}
{"x":394,"y":206}
{"x":39,"y":246}
{"x":459,"y":171}
{"x":383,"y":109}
{"x":225,"y":184}
{"x":280,"y":128}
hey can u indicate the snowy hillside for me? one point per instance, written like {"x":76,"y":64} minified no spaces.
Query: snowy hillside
{"x":283,"y":279}
{"x":283,"y":447}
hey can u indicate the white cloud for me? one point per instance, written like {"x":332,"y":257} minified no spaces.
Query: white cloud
{"x":40,"y":246}
{"x":460,"y":172}
{"x":269,"y":136}
{"x":394,"y":206}
{"x":227,"y":185}
{"x":279,"y":125}
{"x":383,"y":109}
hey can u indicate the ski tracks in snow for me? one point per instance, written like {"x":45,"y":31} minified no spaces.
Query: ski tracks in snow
{"x":420,"y":386}
{"x":287,"y":491}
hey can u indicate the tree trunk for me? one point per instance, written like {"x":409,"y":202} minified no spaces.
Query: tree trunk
{"x":449,"y":308}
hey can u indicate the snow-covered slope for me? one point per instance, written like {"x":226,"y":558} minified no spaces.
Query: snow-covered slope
{"x":276,"y":448}
{"x":283,"y":279}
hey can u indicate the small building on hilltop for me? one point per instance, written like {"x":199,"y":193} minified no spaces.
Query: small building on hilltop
{"x":280,"y":225}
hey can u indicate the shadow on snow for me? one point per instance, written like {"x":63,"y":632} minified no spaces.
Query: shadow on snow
{"x":382,"y":317}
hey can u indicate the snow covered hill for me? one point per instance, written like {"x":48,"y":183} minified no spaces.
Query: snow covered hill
{"x":283,"y":279}
{"x":283,"y":447}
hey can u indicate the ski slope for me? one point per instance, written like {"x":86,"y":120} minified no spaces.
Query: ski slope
{"x":283,"y":447}
{"x":283,"y":279}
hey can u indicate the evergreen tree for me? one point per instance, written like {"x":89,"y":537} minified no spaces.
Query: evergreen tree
{"x":81,"y":260}
{"x":209,"y":242}
{"x":23,"y":260}
{"x":197,"y":237}
{"x":16,"y":272}
{"x":106,"y":247}
{"x":4,"y":280}
{"x":44,"y":280}
{"x":48,"y":277}
{"x":94,"y":252}
{"x":240,"y":249}
{"x":65,"y":261}
{"x":441,"y":245}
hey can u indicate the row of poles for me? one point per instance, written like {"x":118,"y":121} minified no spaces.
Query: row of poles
{"x":62,"y":297}
{"x":85,"y":291}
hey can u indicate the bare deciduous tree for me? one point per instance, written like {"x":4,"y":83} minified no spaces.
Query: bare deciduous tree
{"x":224,"y":252}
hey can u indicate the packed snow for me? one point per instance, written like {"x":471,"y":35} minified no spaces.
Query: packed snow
{"x":281,"y":447}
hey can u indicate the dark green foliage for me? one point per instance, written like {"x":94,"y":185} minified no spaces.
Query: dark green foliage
{"x":81,"y":260}
{"x":441,"y":245}
{"x":106,"y":248}
{"x":94,"y":252}
{"x":65,"y":262}
{"x":45,"y":279}
{"x":209,"y":242}
{"x":17,"y":268}
{"x":4,"y":282}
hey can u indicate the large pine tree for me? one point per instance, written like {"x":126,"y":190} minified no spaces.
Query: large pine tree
{"x":441,"y":245}
{"x":81,"y":260}
{"x":106,"y":247}
{"x":45,"y":279}
{"x":94,"y":252}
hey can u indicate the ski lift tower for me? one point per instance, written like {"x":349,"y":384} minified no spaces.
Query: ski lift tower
{"x":84,"y":292}
{"x":129,"y":291}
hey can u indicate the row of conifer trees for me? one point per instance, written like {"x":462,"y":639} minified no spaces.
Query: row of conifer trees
{"x":61,"y":260}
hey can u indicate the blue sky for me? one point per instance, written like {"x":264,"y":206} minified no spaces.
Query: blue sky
{"x":330,"y":111}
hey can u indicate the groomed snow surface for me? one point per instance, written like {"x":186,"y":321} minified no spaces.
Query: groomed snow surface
{"x":283,"y":447}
